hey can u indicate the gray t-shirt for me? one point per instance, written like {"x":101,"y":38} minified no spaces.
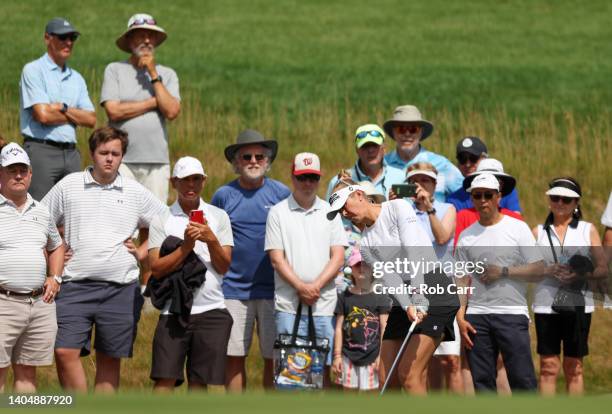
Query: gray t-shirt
{"x":147,"y":132}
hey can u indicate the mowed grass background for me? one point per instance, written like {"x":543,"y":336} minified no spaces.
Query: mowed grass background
{"x":529,"y":77}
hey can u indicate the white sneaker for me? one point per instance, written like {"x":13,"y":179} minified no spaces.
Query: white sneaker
{"x":607,"y":304}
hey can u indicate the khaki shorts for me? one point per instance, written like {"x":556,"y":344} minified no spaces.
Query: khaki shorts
{"x":155,"y":177}
{"x":245,"y":313}
{"x":27,"y":331}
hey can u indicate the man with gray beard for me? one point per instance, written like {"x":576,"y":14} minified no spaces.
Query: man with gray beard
{"x":248,"y":286}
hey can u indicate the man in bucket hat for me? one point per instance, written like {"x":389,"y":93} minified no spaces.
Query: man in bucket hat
{"x":54,"y":101}
{"x":138,"y":96}
{"x":248,"y":286}
{"x":408,"y":128}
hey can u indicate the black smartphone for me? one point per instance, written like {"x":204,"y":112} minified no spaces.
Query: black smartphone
{"x":404,"y":190}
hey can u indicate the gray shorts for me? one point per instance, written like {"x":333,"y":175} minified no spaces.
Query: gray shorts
{"x":114,"y":309}
{"x":245,"y":313}
{"x":27,"y":331}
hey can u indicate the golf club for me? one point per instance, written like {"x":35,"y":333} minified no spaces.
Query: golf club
{"x":397,"y":358}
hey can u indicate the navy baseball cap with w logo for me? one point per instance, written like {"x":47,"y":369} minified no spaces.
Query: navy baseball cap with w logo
{"x":60,"y":26}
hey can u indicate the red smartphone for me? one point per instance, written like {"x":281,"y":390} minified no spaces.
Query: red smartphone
{"x":196,"y":216}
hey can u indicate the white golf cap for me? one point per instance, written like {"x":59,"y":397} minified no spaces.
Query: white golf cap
{"x":338,"y":199}
{"x":13,"y":154}
{"x":564,"y":188}
{"x":428,"y":173}
{"x":485,"y":180}
{"x":187,"y":166}
{"x":306,"y":163}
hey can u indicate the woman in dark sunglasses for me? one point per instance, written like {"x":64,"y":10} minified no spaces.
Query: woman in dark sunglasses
{"x":564,"y":237}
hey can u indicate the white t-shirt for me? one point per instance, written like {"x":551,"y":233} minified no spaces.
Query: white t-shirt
{"x":306,"y":237}
{"x":507,"y":243}
{"x":576,"y":241}
{"x":606,"y":218}
{"x":397,"y":234}
{"x":173,"y":223}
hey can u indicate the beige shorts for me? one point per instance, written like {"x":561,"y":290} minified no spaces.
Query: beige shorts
{"x":155,"y":177}
{"x":245,"y":313}
{"x":27,"y":331}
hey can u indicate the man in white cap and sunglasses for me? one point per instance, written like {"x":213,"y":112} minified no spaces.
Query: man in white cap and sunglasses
{"x":408,"y":128}
{"x":501,"y":252}
{"x":139,"y":96}
{"x":53,"y":102}
{"x":371,"y":165}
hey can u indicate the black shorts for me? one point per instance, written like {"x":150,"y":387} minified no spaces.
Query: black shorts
{"x":570,"y":329}
{"x":203,"y":343}
{"x":438,"y":322}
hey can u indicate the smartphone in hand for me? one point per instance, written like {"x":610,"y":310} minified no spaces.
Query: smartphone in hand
{"x":404,"y":190}
{"x":196,"y":216}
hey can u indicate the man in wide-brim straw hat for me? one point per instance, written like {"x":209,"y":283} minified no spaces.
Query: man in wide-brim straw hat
{"x":408,"y":128}
{"x":248,"y":286}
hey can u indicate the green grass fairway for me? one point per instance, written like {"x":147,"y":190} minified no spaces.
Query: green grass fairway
{"x":304,"y":403}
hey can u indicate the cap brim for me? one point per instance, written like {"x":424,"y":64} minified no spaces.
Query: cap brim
{"x":509,"y":182}
{"x":66,"y":30}
{"x":426,"y":125}
{"x":361,"y":142}
{"x":562,"y":192}
{"x":302,"y":172}
{"x":122,"y":42}
{"x":332,"y":214}
{"x":231,"y":150}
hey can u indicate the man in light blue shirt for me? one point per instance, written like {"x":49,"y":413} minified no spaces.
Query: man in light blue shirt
{"x":53,"y":102}
{"x":409,"y":129}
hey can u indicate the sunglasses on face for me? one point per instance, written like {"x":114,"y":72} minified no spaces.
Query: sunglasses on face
{"x":413,"y":129}
{"x":258,"y":157}
{"x":565,"y":200}
{"x":308,"y":177}
{"x":67,"y":36}
{"x":485,"y":195}
{"x":374,"y":133}
{"x":463,"y":158}
{"x":140,"y":22}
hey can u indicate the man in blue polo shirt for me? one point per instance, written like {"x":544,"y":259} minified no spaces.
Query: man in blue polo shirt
{"x":409,"y":129}
{"x":53,"y":102}
{"x":248,"y":286}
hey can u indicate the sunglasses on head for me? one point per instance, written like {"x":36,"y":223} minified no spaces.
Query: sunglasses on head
{"x":249,"y":157}
{"x":308,"y":177}
{"x":484,"y":195}
{"x":373,"y":133}
{"x":413,"y":129}
{"x":463,"y":158}
{"x":565,"y":200}
{"x":140,"y":22}
{"x":67,"y":36}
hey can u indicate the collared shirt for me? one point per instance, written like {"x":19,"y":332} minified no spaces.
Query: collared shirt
{"x":24,"y":237}
{"x":389,"y":176}
{"x":97,"y":220}
{"x":173,"y":223}
{"x":449,"y":177}
{"x":44,"y":82}
{"x":306,"y":237}
{"x":461,"y":200}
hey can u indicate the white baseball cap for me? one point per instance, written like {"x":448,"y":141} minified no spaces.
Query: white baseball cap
{"x":187,"y":166}
{"x":338,"y":199}
{"x":306,"y":163}
{"x":12,"y":153}
{"x":485,"y":180}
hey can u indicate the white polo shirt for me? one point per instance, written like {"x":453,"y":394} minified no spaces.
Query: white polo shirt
{"x":24,"y":236}
{"x":97,"y":220}
{"x":306,"y":237}
{"x":173,"y":223}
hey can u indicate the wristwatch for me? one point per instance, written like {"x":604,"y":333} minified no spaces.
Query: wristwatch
{"x":158,"y":79}
{"x":505,"y":272}
{"x":58,"y":279}
{"x":432,"y":211}
{"x":64,"y":108}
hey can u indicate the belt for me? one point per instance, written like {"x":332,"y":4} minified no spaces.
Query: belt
{"x":32,"y":294}
{"x":62,"y":145}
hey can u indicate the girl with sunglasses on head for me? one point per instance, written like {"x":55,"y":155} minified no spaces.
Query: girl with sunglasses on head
{"x":565,"y":240}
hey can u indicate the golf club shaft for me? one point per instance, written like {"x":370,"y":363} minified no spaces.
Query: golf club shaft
{"x":397,"y":358}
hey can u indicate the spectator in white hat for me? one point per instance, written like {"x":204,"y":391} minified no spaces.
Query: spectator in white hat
{"x":503,"y":257}
{"x":408,"y":128}
{"x":306,"y":250}
{"x":202,"y":343}
{"x":564,"y":237}
{"x":28,"y":279}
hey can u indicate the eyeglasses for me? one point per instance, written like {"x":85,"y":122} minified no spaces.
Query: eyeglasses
{"x":374,"y":133}
{"x":565,"y":200}
{"x":249,"y":157}
{"x":485,"y":195}
{"x":308,"y":177}
{"x":413,"y":129}
{"x":463,"y":158}
{"x":140,"y":22}
{"x":67,"y":36}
